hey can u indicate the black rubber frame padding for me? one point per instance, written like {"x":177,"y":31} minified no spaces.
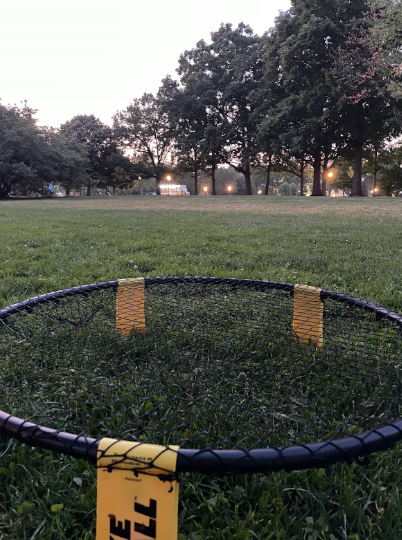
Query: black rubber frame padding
{"x":210,"y":461}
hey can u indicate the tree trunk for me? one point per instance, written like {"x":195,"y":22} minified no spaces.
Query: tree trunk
{"x":4,"y":191}
{"x":324,"y":176}
{"x":196,"y":181}
{"x":114,"y":190}
{"x":89,"y":188}
{"x":247,"y":177}
{"x":317,"y":173}
{"x":213,"y":180}
{"x":397,"y":113}
{"x":141,"y":189}
{"x":323,"y":185}
{"x":158,"y":179}
{"x":268,"y":176}
{"x":375,"y":171}
{"x":302,"y":178}
{"x":357,"y":171}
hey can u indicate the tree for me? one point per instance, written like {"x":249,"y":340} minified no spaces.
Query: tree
{"x":98,"y":140}
{"x":390,"y":179}
{"x":365,"y":106}
{"x":265,"y":162}
{"x":213,"y":148}
{"x":300,"y":69}
{"x":293,"y":189}
{"x":343,"y":176}
{"x":284,"y":189}
{"x":119,"y":172}
{"x":228,"y":177}
{"x":224,"y":73}
{"x":295,"y":64}
{"x":31,"y":156}
{"x":372,"y":160}
{"x":385,"y":43}
{"x":189,"y":120}
{"x":68,"y":159}
{"x":270,"y":125}
{"x":145,"y":129}
{"x":18,"y":137}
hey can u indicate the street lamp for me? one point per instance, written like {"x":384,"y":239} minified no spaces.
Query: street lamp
{"x":205,"y":190}
{"x":168,"y":178}
{"x":259,"y":191}
{"x":230,"y":189}
{"x":330,"y":176}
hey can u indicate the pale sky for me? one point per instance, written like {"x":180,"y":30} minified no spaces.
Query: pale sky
{"x":69,"y":57}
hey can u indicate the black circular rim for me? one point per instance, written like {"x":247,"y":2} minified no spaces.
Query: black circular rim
{"x":211,"y":461}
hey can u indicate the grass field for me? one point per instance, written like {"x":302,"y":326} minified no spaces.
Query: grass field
{"x":345,"y":245}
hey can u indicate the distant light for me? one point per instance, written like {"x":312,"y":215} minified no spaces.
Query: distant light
{"x":205,"y":189}
{"x":229,"y":188}
{"x":168,"y":177}
{"x":330,"y":174}
{"x":259,"y":192}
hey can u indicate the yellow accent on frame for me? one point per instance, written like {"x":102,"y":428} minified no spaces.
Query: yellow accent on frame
{"x":308,"y":315}
{"x":136,"y":455}
{"x":130,"y":306}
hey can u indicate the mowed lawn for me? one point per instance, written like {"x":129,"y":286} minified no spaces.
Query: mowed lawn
{"x":352,"y":246}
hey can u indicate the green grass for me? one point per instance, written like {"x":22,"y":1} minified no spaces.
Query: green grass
{"x":350,"y":246}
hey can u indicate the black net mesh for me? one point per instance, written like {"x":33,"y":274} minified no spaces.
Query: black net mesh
{"x":217,"y":367}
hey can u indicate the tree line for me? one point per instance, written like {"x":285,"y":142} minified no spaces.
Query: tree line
{"x":319,"y":92}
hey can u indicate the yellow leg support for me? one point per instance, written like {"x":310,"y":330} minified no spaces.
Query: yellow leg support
{"x":130,"y":306}
{"x":133,"y":501}
{"x":308,"y":315}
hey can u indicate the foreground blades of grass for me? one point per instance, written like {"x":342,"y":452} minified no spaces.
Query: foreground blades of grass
{"x":341,"y":502}
{"x":45,"y":496}
{"x":349,"y":246}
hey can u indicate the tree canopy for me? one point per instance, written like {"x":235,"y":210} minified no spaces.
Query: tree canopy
{"x":31,"y":156}
{"x":145,"y":130}
{"x":323,"y":86}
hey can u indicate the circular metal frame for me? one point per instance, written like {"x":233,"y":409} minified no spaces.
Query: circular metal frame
{"x":211,"y":461}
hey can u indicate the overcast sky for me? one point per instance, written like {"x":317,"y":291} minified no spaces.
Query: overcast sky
{"x":69,"y":57}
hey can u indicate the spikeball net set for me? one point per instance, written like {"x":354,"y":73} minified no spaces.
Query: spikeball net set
{"x":158,"y":376}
